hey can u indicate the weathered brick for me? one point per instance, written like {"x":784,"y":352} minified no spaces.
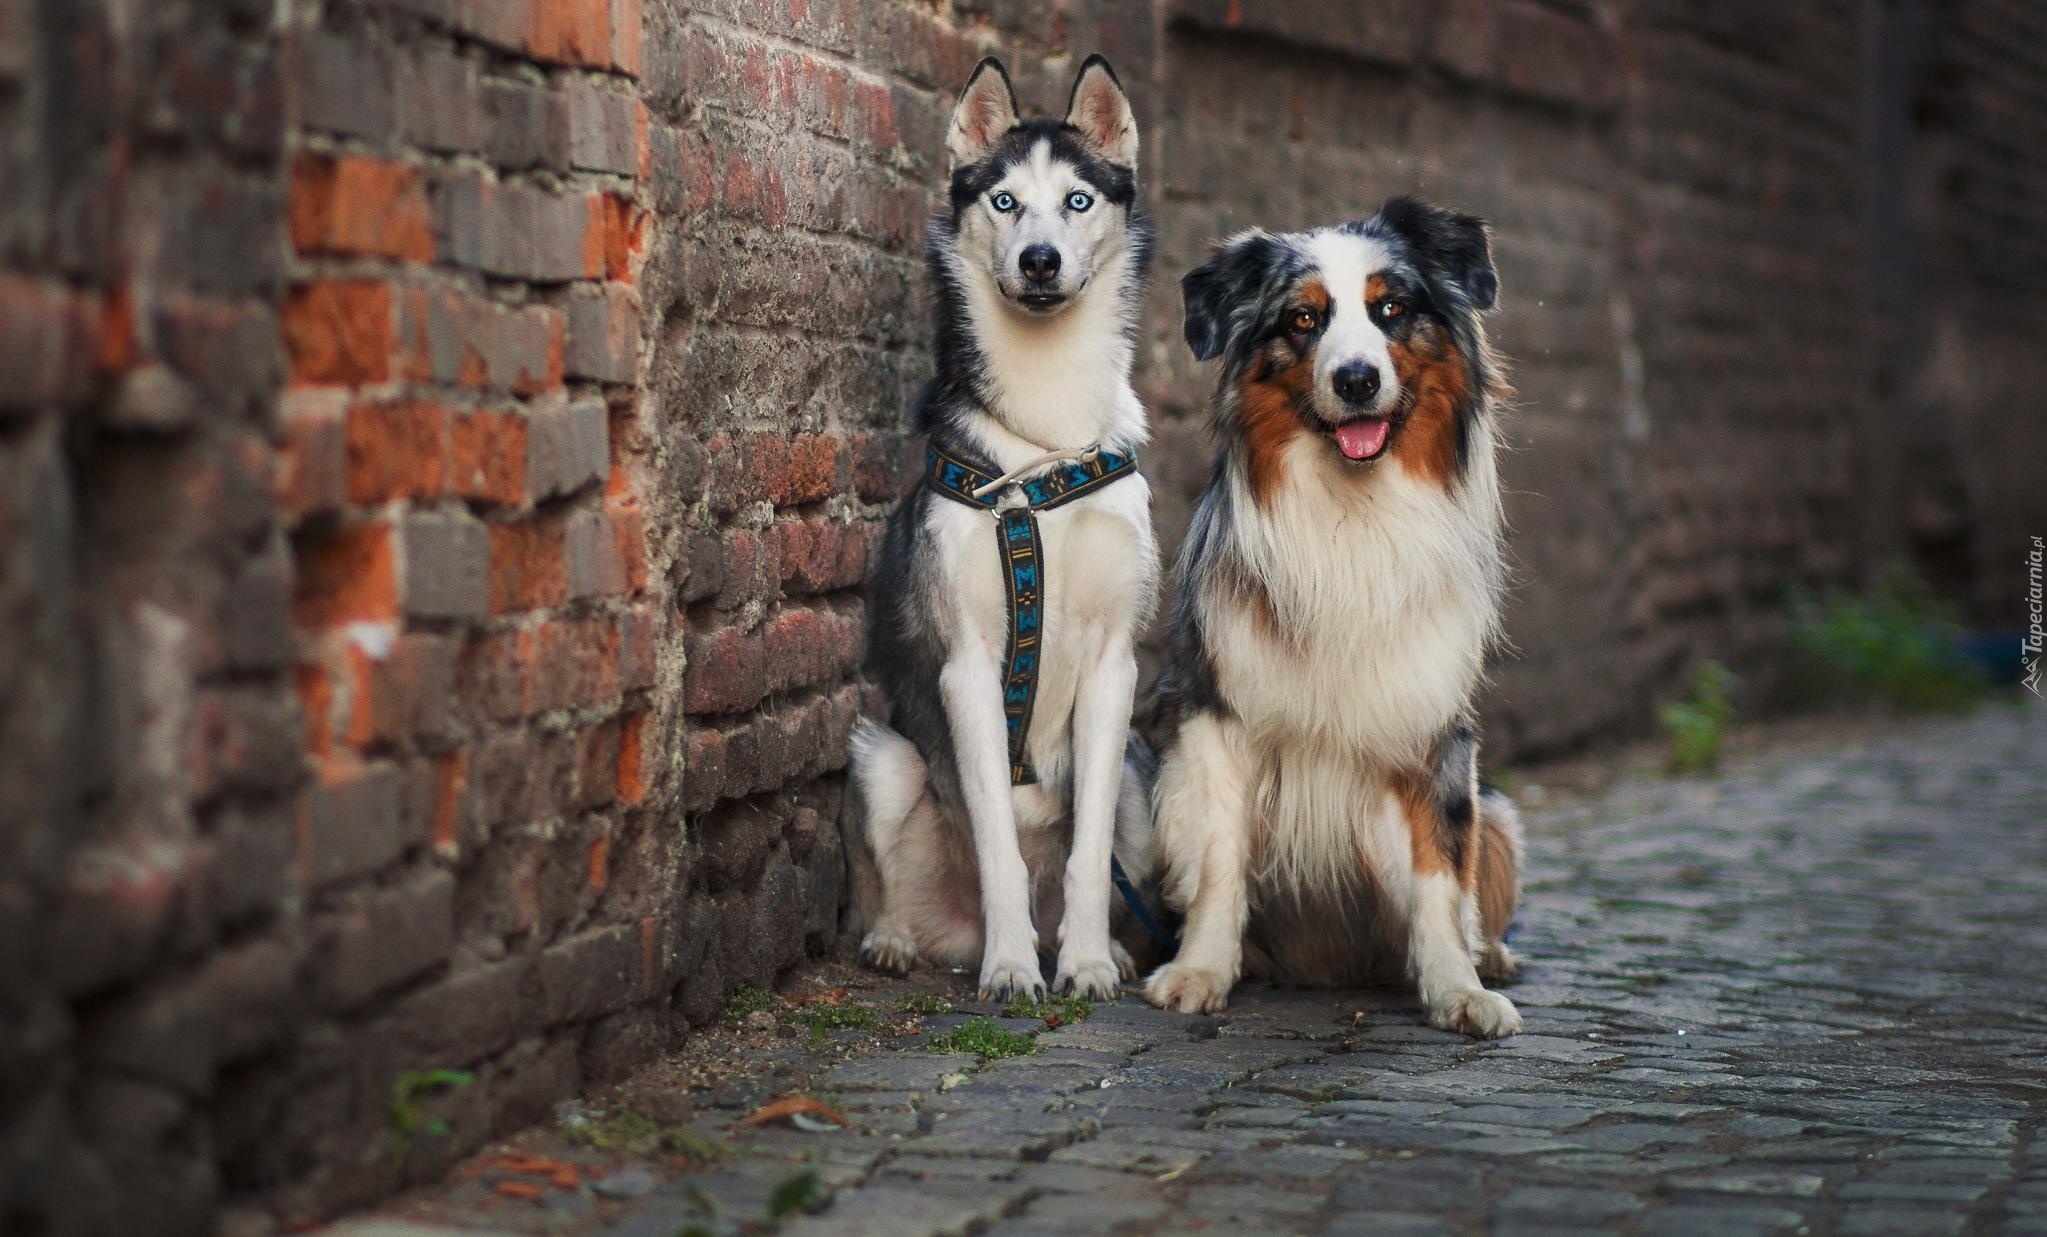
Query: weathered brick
{"x":379,"y":940}
{"x":572,"y":32}
{"x":514,"y":230}
{"x":633,"y":767}
{"x":352,"y":826}
{"x":604,"y":334}
{"x":458,"y":339}
{"x":396,"y":450}
{"x":527,"y":126}
{"x":576,"y":664}
{"x":526,"y":568}
{"x":312,"y":468}
{"x":438,"y":103}
{"x":344,"y":85}
{"x":345,"y":575}
{"x":590,"y":555}
{"x":568,"y":447}
{"x":603,"y":128}
{"x":47,"y":343}
{"x":340,"y":332}
{"x":356,"y":205}
{"x":447,"y":567}
{"x":592,"y":973}
{"x":487,"y":457}
{"x":639,"y":647}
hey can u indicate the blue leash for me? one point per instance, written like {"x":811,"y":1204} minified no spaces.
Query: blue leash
{"x":1136,"y":905}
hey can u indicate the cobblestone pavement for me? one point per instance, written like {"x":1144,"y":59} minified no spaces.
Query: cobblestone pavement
{"x":1810,"y":995}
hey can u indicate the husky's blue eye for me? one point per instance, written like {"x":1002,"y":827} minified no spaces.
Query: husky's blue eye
{"x":1078,"y":201}
{"x":1003,"y":202}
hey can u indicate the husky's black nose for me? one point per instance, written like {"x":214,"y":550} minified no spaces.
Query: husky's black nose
{"x":1357,"y":382}
{"x":1039,"y":263}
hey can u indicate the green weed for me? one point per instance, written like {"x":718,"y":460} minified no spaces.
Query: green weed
{"x":1697,"y":724}
{"x":747,"y":999}
{"x":801,"y":1192}
{"x":823,"y":1019}
{"x":984,"y":1038}
{"x":405,"y":1115}
{"x":1897,"y":646}
{"x":924,"y":1003}
{"x":1064,"y":1008}
{"x":631,"y":1133}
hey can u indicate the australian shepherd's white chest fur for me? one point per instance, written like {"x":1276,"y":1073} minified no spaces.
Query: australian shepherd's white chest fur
{"x":1318,"y":793}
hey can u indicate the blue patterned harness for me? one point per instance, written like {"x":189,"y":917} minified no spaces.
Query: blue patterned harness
{"x":1023,"y":563}
{"x":1023,"y":566}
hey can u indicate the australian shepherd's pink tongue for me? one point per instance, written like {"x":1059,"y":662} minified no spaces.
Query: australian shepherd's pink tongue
{"x":1363,"y":438}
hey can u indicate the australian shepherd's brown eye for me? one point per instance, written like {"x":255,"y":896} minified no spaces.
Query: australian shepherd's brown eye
{"x":1391,"y":309}
{"x":1303,"y":320}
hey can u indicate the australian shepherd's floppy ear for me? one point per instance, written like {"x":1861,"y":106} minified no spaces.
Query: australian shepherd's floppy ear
{"x":1318,"y":805}
{"x":1005,"y":606}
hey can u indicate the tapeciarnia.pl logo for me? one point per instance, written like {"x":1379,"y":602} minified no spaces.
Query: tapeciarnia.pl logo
{"x":2029,"y":648}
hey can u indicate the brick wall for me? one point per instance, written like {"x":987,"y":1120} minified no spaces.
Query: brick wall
{"x":441,"y":443}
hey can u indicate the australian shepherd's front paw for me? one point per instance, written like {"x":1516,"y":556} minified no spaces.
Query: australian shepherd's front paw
{"x":1477,"y":1012}
{"x":1188,"y":989}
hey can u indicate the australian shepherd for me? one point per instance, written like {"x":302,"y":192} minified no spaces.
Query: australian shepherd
{"x":1318,"y":806}
{"x":1000,"y":783}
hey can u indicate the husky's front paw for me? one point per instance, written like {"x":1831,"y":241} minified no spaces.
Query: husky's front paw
{"x":1187,"y":989}
{"x":1477,"y":1012}
{"x":890,"y":952}
{"x":1005,"y":980}
{"x":1097,"y":979}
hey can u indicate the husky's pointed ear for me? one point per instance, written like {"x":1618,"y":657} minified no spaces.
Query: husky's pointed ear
{"x":1101,"y":111}
{"x":1454,"y":248}
{"x":1218,"y":293}
{"x":986,"y":111}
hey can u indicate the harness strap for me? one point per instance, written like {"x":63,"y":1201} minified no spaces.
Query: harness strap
{"x":1023,"y":553}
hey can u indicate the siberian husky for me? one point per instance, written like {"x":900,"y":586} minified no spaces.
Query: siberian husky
{"x":1012,"y":583}
{"x":1318,"y":806}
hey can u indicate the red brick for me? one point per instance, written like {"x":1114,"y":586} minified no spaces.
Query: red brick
{"x":576,"y":665}
{"x":627,"y":38}
{"x":452,"y":778}
{"x":345,"y":575}
{"x":487,"y":457}
{"x":396,"y":451}
{"x":632,"y":777}
{"x":526,"y":566}
{"x":496,"y":674}
{"x":726,"y":673}
{"x":572,"y":31}
{"x":613,"y":238}
{"x":356,"y":205}
{"x":629,"y":526}
{"x":339,"y":333}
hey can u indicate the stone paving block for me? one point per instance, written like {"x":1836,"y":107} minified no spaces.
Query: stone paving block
{"x":894,"y":1210}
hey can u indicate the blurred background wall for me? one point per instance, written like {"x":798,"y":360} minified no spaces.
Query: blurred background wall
{"x":441,"y":442}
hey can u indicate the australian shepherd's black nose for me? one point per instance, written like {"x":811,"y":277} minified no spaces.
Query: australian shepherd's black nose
{"x":1318,"y":804}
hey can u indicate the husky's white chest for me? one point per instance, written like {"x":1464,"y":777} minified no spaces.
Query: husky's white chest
{"x":1098,"y":576}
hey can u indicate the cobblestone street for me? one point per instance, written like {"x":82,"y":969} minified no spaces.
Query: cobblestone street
{"x":1808,"y":995}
